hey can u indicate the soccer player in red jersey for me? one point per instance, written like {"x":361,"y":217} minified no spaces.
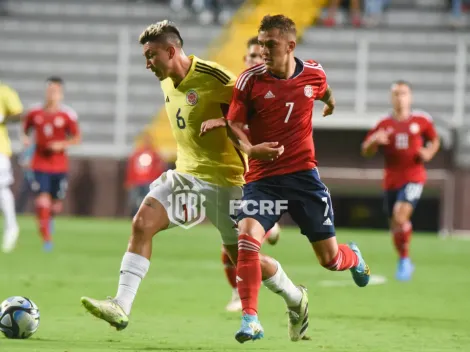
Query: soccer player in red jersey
{"x":144,"y":166}
{"x":55,"y":128}
{"x":401,"y":137}
{"x":276,"y":100}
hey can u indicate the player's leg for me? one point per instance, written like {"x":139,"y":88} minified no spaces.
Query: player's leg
{"x":151,"y":218}
{"x":43,"y":202}
{"x":251,"y":265}
{"x":273,"y":235}
{"x":313,"y":212}
{"x":402,"y":228}
{"x":59,"y":186}
{"x":230,"y":270}
{"x":7,"y":205}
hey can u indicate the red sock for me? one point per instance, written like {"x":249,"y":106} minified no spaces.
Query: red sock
{"x":248,"y":273}
{"x":345,"y":259}
{"x":402,"y":239}
{"x":230,"y":270}
{"x":43,"y":215}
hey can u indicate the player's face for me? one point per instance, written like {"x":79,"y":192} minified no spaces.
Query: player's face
{"x":54,"y":92}
{"x":401,"y":97}
{"x":158,"y":57}
{"x":253,"y":56}
{"x":276,"y":48}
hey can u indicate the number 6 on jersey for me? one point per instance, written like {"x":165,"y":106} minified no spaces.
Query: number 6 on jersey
{"x":291,"y":106}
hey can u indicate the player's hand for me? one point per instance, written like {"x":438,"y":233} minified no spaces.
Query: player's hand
{"x":56,"y":146}
{"x":425,"y":154}
{"x":266,"y":151}
{"x":381,"y":137}
{"x":211,"y":125}
{"x":328,"y":110}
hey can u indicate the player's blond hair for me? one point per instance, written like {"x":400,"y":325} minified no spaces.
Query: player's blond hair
{"x":161,"y":31}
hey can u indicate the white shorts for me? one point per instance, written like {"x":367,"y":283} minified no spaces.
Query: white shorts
{"x":6,"y":175}
{"x":189,"y":201}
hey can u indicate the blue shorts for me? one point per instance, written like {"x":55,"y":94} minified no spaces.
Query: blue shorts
{"x":410,"y":193}
{"x":302,"y":194}
{"x":53,"y":183}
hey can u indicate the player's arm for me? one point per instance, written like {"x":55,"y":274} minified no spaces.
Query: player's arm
{"x":14,"y":107}
{"x":375,"y":138}
{"x":329,"y":100}
{"x":74,"y":136}
{"x":432,"y":146}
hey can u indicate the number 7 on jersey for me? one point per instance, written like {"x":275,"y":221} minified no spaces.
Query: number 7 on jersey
{"x":291,"y":106}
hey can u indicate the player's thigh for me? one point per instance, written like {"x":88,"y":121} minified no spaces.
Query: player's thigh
{"x":58,"y":186}
{"x":41,"y":185}
{"x":314,"y":214}
{"x":219,"y":204}
{"x":407,"y":200}
{"x":260,"y":208}
{"x":6,"y":174}
{"x":170,"y":191}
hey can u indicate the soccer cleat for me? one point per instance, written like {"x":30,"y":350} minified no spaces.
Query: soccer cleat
{"x":9,"y":240}
{"x":235,"y":304}
{"x":47,"y":246}
{"x":298,"y":318}
{"x":405,"y":269}
{"x":251,"y":329}
{"x":360,"y":273}
{"x":107,"y":310}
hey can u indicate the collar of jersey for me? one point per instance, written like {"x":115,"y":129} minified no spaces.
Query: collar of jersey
{"x":299,"y":68}
{"x":194,"y":59}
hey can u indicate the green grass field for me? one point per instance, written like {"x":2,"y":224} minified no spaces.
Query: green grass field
{"x":180,"y":306}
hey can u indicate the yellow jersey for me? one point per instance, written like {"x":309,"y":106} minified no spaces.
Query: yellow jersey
{"x":10,"y":105}
{"x":199,"y":97}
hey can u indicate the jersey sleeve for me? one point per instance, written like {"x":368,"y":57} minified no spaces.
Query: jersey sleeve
{"x":318,"y":78}
{"x":223,"y":85}
{"x":28,"y":122}
{"x":429,"y":131}
{"x":72,"y":125}
{"x":374,"y":129}
{"x":238,"y":111}
{"x":13,"y":105}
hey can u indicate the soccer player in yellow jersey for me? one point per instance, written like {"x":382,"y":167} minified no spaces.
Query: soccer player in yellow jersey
{"x":207,"y":168}
{"x":10,"y":110}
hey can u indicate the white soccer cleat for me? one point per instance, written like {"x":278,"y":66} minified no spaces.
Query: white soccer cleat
{"x":9,"y":240}
{"x":298,"y":318}
{"x":107,"y":310}
{"x":235,"y":304}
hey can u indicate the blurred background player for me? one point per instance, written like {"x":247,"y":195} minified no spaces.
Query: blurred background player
{"x":143,"y":167}
{"x":211,"y":166}
{"x":276,"y":100}
{"x":24,"y":161}
{"x":401,"y":137}
{"x":55,"y":130}
{"x":10,"y":110}
{"x":252,"y":57}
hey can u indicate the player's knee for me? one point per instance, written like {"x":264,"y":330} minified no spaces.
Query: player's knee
{"x":143,"y":226}
{"x":400,"y":218}
{"x":56,"y":207}
{"x":43,"y":201}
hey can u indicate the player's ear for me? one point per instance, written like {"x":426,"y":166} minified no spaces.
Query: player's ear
{"x":291,"y":46}
{"x":171,"y":52}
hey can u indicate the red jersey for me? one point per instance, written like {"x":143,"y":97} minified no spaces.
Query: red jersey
{"x":279,"y":110}
{"x":143,"y":167}
{"x":50,"y":127}
{"x":402,"y":162}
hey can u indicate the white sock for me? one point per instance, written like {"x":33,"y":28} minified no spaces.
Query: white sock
{"x":7,"y":203}
{"x":280,"y":284}
{"x":133,"y":270}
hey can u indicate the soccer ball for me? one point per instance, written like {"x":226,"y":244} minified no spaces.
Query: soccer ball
{"x":273,"y":235}
{"x":19,"y":317}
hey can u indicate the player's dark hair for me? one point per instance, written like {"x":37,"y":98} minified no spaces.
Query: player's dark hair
{"x":252,"y":41}
{"x":402,"y":82}
{"x":55,"y":79}
{"x":164,"y":31}
{"x":281,"y":22}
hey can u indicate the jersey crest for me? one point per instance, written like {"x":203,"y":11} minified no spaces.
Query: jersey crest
{"x":192,"y":97}
{"x":414,"y":128}
{"x":308,"y":91}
